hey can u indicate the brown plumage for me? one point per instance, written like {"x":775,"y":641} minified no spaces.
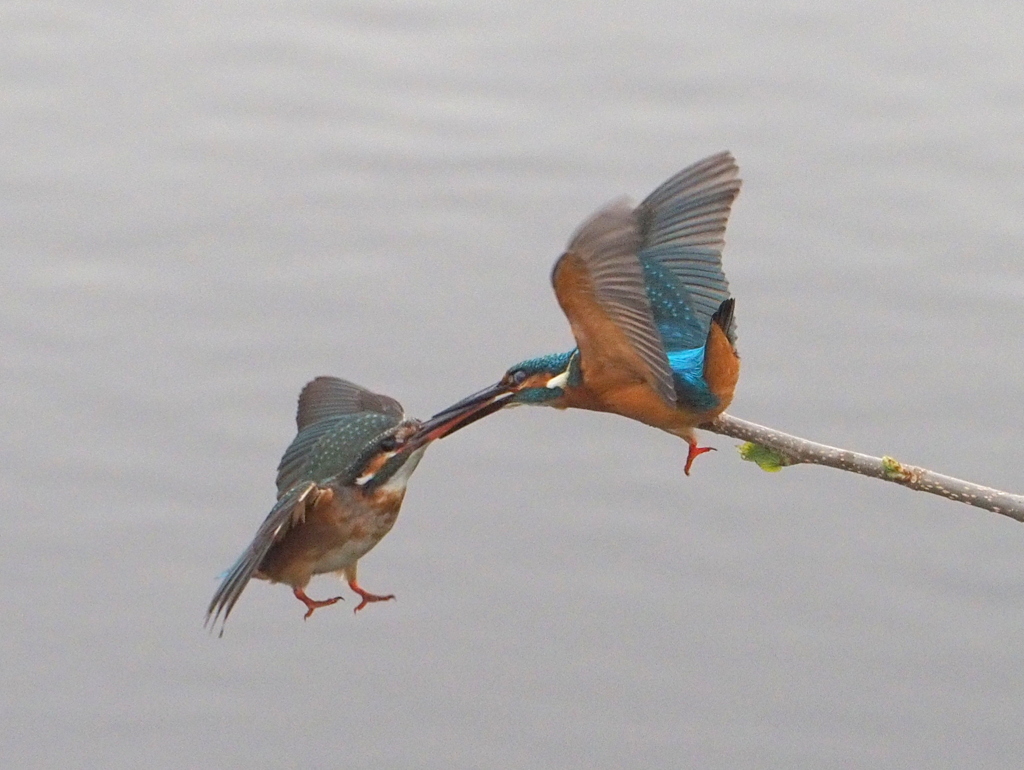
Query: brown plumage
{"x":340,"y":486}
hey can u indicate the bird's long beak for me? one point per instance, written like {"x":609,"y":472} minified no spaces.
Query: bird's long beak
{"x":461,"y":414}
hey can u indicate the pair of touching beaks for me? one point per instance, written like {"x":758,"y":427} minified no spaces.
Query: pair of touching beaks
{"x":470,"y":409}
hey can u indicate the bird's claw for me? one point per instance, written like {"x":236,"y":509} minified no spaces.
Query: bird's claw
{"x":313,"y":604}
{"x":693,"y":453}
{"x":367,"y":597}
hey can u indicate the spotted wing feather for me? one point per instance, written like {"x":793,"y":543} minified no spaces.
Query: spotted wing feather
{"x":334,"y":449}
{"x":294,"y":464}
{"x":682,"y":231}
{"x":333,"y":410}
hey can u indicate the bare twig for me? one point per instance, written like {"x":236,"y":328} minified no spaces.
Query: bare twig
{"x":773,"y":450}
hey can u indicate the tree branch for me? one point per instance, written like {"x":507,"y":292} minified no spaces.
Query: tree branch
{"x":772,"y":450}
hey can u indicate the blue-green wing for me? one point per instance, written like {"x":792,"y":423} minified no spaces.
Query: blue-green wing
{"x":656,"y":273}
{"x":342,"y":453}
{"x":682,"y":235}
{"x":682,"y":226}
{"x":333,"y":449}
{"x":337,"y":422}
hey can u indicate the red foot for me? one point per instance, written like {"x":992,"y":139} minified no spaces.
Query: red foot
{"x":367,"y":597}
{"x":313,"y":604}
{"x":694,"y":453}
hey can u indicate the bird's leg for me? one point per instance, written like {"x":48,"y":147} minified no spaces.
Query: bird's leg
{"x":694,"y":452}
{"x":313,"y":604}
{"x":366,"y":596}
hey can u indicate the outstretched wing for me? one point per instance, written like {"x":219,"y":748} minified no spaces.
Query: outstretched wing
{"x":600,"y":286}
{"x":338,"y":413}
{"x":289,"y":510}
{"x":682,"y":233}
{"x":328,"y":397}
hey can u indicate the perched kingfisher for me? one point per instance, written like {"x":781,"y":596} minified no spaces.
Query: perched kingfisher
{"x":339,"y":488}
{"x":649,"y":306}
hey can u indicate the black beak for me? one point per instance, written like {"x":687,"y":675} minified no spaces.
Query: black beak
{"x":459,"y":415}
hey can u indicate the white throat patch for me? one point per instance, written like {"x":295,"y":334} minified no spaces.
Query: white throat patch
{"x":559,"y":381}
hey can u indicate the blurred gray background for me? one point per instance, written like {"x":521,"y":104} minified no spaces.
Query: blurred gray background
{"x":205,"y":204}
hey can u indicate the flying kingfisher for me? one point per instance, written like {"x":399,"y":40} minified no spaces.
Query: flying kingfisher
{"x":340,"y":485}
{"x":649,"y":306}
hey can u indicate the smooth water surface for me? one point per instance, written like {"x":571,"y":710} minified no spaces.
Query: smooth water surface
{"x":204,"y":205}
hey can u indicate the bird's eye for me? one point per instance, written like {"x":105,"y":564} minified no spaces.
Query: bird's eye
{"x":389,"y":444}
{"x":518,"y":377}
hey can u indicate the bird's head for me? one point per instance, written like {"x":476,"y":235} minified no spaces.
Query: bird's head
{"x":389,"y":458}
{"x":539,"y":381}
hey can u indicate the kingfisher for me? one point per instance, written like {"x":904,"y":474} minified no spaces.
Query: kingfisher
{"x":340,"y":485}
{"x":650,"y":309}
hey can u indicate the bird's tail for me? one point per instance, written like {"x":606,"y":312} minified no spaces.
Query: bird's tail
{"x":290,"y":507}
{"x":721,"y":363}
{"x":725,"y":320}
